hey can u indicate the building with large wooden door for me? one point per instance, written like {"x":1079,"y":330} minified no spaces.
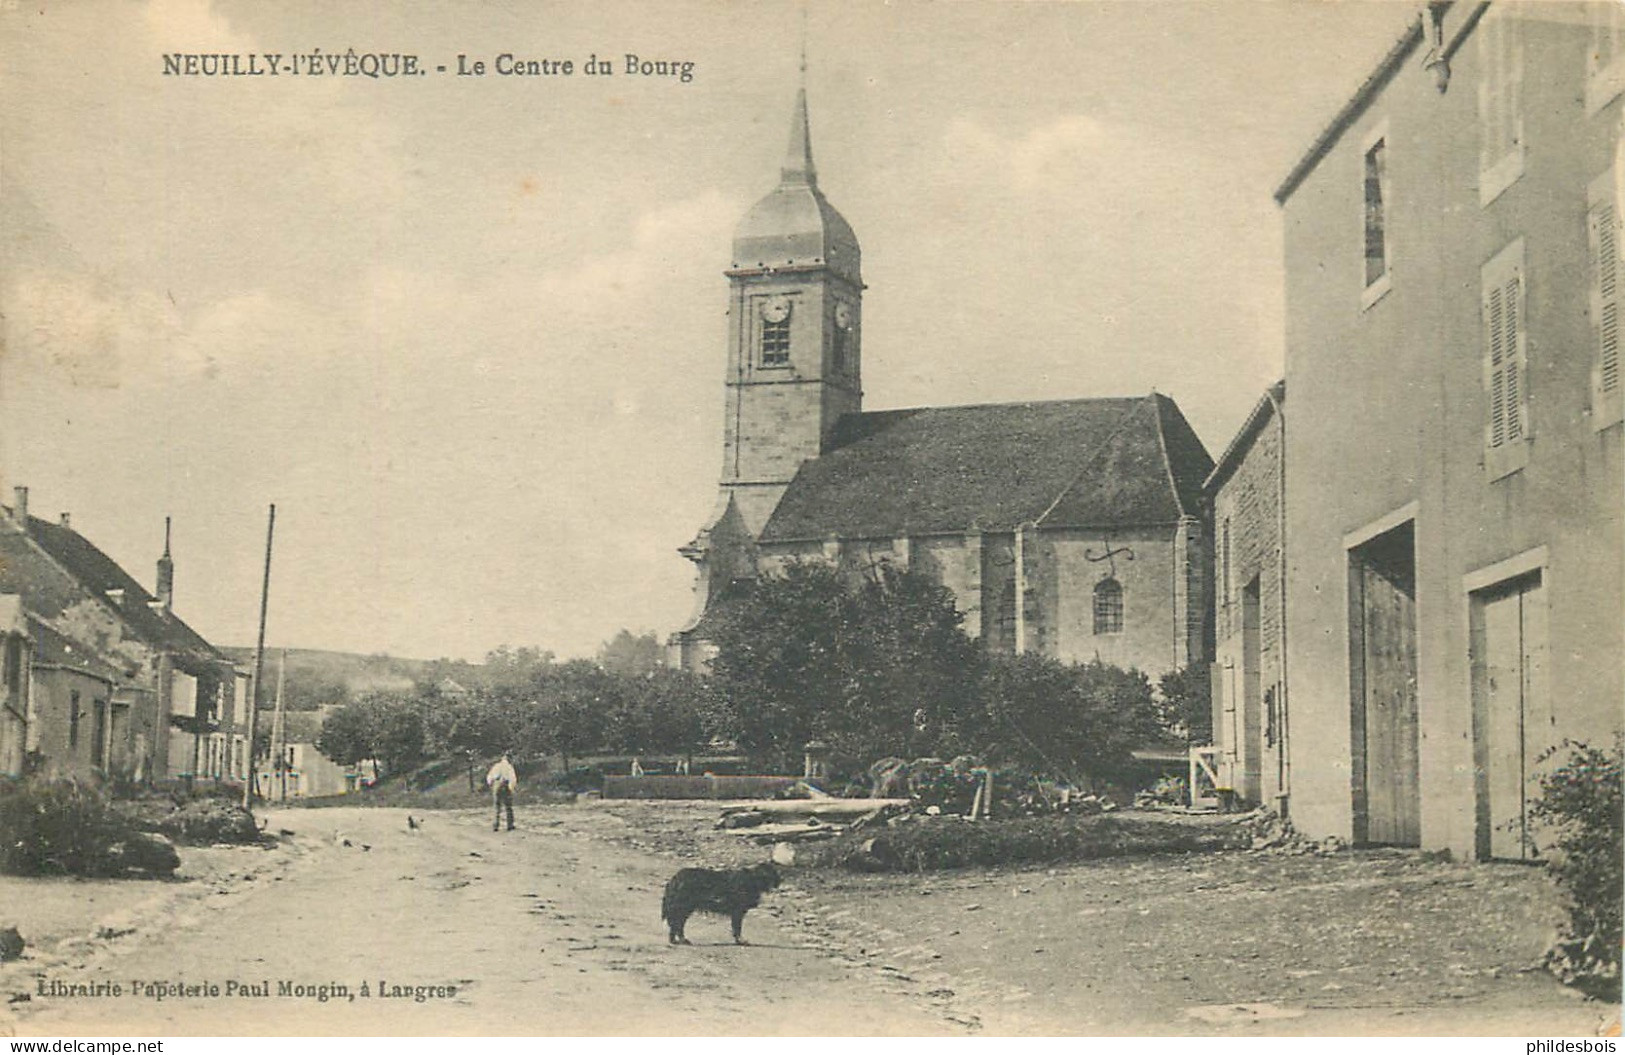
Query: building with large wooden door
{"x":1453,"y":483}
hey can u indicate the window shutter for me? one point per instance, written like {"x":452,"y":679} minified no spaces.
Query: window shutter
{"x":1604,"y":236}
{"x":1495,"y":432}
{"x":1500,"y":103}
{"x":1506,"y":364}
{"x":1516,"y":415}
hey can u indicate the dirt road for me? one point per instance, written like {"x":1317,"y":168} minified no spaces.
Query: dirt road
{"x":539,"y":931}
{"x":554,"y":929}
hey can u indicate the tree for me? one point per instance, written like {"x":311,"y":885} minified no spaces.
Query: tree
{"x":1077,"y":721}
{"x":877,"y":669}
{"x":662,"y":711}
{"x":1186,"y":709}
{"x":576,"y":699}
{"x":631,"y":656}
{"x":384,"y":727}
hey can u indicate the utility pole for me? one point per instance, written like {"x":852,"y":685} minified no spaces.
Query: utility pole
{"x":279,"y":732}
{"x":259,"y":661}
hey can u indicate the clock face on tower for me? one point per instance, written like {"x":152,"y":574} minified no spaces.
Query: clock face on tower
{"x":843,"y":315}
{"x":776,"y":310}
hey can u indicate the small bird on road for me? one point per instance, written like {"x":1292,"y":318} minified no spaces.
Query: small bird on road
{"x":412,"y":823}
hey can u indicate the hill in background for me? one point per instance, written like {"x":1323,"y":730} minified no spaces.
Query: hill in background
{"x":316,"y":677}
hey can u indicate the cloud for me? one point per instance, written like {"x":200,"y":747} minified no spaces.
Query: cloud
{"x":1047,"y":152}
{"x":81,"y":329}
{"x":666,"y":240}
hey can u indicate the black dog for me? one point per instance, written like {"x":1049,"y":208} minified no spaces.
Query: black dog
{"x":729,"y":893}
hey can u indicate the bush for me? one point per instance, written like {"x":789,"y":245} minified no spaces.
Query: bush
{"x":1582,"y":799}
{"x":578,"y":779}
{"x":67,"y":827}
{"x":199,"y":822}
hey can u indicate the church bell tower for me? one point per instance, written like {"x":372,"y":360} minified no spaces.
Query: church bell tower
{"x":795,"y":357}
{"x":795,"y":319}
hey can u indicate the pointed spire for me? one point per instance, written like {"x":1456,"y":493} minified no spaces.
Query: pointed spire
{"x":798,"y":161}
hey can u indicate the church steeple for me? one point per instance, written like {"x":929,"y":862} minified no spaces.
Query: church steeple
{"x":798,"y":165}
{"x":794,"y":363}
{"x":794,"y":356}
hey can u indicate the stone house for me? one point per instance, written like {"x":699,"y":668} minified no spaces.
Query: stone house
{"x":1250,"y":727}
{"x":1069,"y":528}
{"x":120,"y":684}
{"x":1454,"y":468}
{"x":14,"y":680}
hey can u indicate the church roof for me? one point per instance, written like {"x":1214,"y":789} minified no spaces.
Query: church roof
{"x":1084,"y":463}
{"x":795,"y":226}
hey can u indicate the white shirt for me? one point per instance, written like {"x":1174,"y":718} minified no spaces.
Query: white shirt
{"x":502,"y":773}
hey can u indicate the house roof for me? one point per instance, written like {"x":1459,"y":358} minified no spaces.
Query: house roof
{"x":1271,"y":402}
{"x":1351,"y":110}
{"x":138,"y":609}
{"x":54,"y":649}
{"x":1085,"y":463}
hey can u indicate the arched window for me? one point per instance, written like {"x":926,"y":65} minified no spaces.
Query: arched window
{"x":1109,"y":607}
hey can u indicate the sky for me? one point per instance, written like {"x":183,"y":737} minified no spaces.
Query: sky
{"x":468,"y":332}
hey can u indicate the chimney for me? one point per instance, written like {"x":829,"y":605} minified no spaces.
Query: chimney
{"x":67,"y":520}
{"x":166,"y":573}
{"x":19,"y":505}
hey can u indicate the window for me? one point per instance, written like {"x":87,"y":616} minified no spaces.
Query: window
{"x":839,"y":355}
{"x":775,"y":342}
{"x":1602,"y":222}
{"x":1605,"y":61}
{"x":99,"y":708}
{"x":1109,"y":607}
{"x":14,"y":667}
{"x":73,"y":719}
{"x":1224,"y":564}
{"x":1376,"y":218}
{"x":1506,"y":429}
{"x":1500,"y":103}
{"x":1005,"y":626}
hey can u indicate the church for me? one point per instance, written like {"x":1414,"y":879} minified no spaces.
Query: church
{"x":1070,"y":528}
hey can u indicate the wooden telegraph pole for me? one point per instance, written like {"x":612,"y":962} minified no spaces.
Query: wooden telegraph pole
{"x":279,"y":732}
{"x":259,"y":661}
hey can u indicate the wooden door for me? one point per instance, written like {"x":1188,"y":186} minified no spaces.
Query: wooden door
{"x":1514,"y":718}
{"x":1252,"y":694}
{"x":1388,"y":603}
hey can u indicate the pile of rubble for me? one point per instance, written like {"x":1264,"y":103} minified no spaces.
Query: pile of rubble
{"x":1274,"y":833}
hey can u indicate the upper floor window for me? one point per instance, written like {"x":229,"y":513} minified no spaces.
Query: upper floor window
{"x":1376,"y":218}
{"x":1109,"y":607}
{"x":1376,"y":199}
{"x":1500,"y":103}
{"x":73,"y":719}
{"x":775,"y":343}
{"x":1506,"y":368}
{"x":776,"y":332}
{"x":839,"y":353}
{"x":1603,"y":227}
{"x":1605,"y":61}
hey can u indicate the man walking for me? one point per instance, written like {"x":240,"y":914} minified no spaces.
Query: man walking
{"x":502,"y":781}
